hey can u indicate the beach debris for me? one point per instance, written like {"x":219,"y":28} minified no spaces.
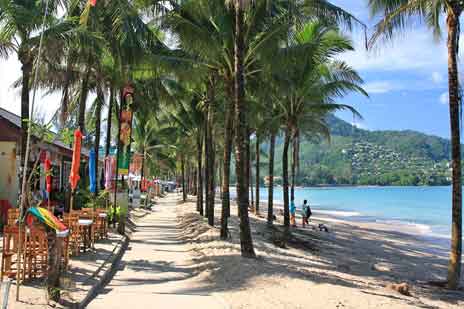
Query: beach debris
{"x":402,"y":288}
{"x":381,"y":267}
{"x":344,"y":267}
{"x":323,"y":228}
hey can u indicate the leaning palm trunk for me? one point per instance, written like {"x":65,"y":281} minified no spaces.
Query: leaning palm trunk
{"x":83,"y":99}
{"x":225,"y":212}
{"x":65,"y":98}
{"x":200,"y":176}
{"x":108,"y":124}
{"x":454,"y":267}
{"x":26,"y":70}
{"x":285,"y":179}
{"x":270,"y":203}
{"x":100,"y":101}
{"x":257,"y":175}
{"x":246,"y":242}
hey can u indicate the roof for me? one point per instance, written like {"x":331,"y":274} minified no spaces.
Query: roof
{"x":16,"y":121}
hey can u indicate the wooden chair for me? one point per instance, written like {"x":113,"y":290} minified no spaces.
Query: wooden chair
{"x":10,"y":249}
{"x":71,"y":220}
{"x":101,"y":224}
{"x":36,"y":253}
{"x":13,"y":216}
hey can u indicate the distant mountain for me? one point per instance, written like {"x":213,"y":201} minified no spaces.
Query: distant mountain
{"x":358,"y":156}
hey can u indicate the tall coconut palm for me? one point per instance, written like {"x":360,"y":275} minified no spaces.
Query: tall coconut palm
{"x":313,"y":80}
{"x":396,"y":16}
{"x":20,"y":30}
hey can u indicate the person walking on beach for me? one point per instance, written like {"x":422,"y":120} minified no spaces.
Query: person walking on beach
{"x":306,"y":212}
{"x":292,"y":213}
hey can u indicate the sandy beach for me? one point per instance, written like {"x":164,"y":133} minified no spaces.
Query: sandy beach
{"x":351,"y":266}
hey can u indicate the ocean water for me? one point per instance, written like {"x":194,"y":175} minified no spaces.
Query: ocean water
{"x":427,"y":209}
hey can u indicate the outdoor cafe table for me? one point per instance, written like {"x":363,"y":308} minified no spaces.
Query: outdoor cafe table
{"x":86,"y":227}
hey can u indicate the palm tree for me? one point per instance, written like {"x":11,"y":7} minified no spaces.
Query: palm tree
{"x":312,"y":82}
{"x":20,"y":30}
{"x":396,"y":15}
{"x":246,"y":242}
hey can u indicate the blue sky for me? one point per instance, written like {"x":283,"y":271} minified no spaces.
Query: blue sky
{"x":406,"y":80}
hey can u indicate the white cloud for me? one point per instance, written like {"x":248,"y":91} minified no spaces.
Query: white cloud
{"x":379,"y":87}
{"x":359,"y":125}
{"x":437,"y":78}
{"x":10,"y":98}
{"x":444,"y":98}
{"x":412,"y":51}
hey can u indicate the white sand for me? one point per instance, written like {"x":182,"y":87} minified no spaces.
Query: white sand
{"x":350,"y":267}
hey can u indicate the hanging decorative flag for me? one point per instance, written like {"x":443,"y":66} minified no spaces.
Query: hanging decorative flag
{"x":93,"y":2}
{"x":92,"y":171}
{"x":48,"y":175}
{"x":126,"y":132}
{"x":46,"y":217}
{"x":76,"y":159}
{"x":110,"y":165}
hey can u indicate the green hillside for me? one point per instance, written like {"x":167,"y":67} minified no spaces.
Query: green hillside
{"x":362,"y":157}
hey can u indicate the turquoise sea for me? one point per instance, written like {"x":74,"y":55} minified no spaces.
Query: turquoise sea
{"x":426,"y":208}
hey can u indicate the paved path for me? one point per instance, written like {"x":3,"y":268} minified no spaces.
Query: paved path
{"x":155,"y":270}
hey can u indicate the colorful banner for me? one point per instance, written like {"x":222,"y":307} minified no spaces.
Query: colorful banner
{"x":125,"y":133}
{"x":110,"y":167}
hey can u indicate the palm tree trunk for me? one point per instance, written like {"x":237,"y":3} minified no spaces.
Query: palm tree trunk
{"x":294,"y":162}
{"x":200,"y":175}
{"x":248,"y":165}
{"x":250,"y":173}
{"x":207,"y":158}
{"x":270,"y":203}
{"x":246,"y":242}
{"x":210,"y":167}
{"x":142,"y":170}
{"x":108,"y":123}
{"x":184,"y":188}
{"x":454,"y":266}
{"x":285,"y":179}
{"x":187,"y":177}
{"x":100,"y":102}
{"x":194,"y":182}
{"x":27,"y":71}
{"x":257,"y":174}
{"x":65,"y":98}
{"x":83,"y":99}
{"x":225,"y":213}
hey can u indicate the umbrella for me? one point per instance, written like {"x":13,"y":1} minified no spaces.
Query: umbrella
{"x":92,"y":172}
{"x":47,"y":218}
{"x":76,"y":160}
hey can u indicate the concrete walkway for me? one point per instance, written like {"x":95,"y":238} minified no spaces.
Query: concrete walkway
{"x":155,"y":272}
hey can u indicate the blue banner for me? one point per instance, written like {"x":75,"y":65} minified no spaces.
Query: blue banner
{"x":92,"y":174}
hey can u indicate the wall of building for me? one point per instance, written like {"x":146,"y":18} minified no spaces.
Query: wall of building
{"x":9,"y":183}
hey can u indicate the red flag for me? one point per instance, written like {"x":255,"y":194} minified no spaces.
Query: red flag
{"x":93,"y":2}
{"x":76,"y":159}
